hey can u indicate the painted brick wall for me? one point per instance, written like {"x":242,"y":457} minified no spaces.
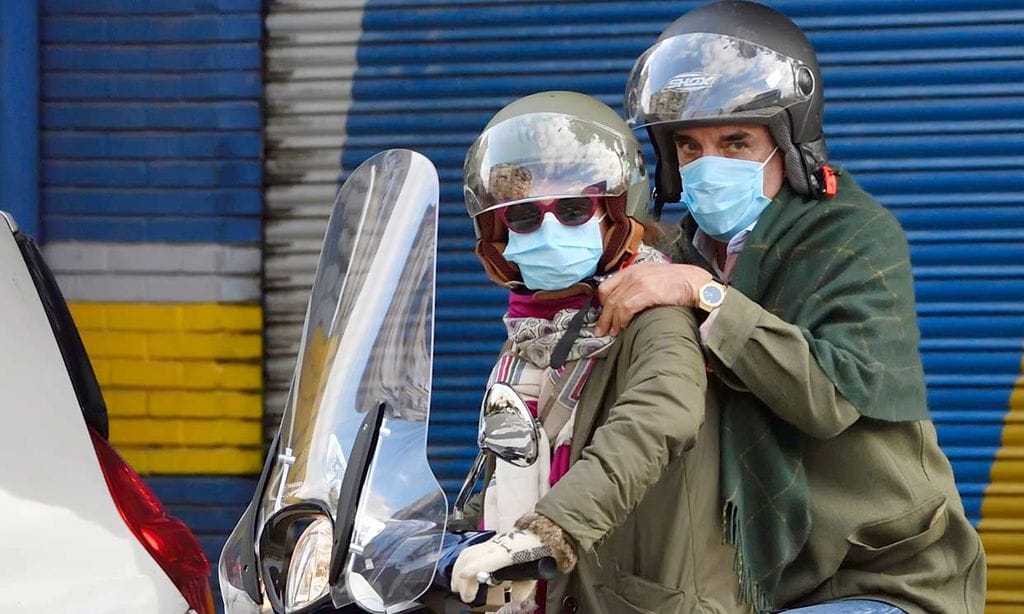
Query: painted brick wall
{"x":151,"y":218}
{"x":151,"y":120}
{"x":182,"y":383}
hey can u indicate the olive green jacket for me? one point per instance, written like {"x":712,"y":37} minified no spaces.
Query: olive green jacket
{"x":640,"y":498}
{"x":887,"y":521}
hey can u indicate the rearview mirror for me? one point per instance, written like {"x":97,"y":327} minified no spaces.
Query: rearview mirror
{"x":507,"y":428}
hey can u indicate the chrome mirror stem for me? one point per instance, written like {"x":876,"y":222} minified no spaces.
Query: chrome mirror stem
{"x":466,"y":491}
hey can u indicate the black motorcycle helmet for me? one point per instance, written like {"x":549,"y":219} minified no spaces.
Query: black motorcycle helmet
{"x":732,"y":62}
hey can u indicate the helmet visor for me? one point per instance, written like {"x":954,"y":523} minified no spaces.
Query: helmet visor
{"x":700,"y":76}
{"x":547,"y":156}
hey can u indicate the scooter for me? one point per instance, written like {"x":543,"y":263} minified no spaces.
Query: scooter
{"x":347,"y":515}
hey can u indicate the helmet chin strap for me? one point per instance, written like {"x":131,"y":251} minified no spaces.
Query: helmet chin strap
{"x":622,"y":240}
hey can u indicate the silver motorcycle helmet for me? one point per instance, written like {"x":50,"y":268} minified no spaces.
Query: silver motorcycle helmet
{"x":732,"y":62}
{"x":555,"y":145}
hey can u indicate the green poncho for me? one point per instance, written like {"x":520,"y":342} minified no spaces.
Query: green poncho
{"x":839,"y":269}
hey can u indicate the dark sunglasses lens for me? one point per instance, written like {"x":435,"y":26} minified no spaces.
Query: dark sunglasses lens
{"x":573,"y":211}
{"x":523,"y":217}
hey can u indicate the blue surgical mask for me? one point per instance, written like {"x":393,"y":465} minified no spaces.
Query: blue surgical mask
{"x":724,"y":195}
{"x":556,"y":256}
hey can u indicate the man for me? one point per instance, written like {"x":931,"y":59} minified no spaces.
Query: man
{"x":834,"y":487}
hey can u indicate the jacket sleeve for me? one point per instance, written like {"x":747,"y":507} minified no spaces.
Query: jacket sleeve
{"x":771,"y":358}
{"x":653,"y":421}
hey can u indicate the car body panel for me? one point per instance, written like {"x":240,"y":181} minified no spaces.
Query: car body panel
{"x":65,"y":544}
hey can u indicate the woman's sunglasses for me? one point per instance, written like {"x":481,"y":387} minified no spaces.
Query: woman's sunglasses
{"x":527,"y":217}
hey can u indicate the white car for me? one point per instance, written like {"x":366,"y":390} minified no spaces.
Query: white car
{"x":79,"y":530}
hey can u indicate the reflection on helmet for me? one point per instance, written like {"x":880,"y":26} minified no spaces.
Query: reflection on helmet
{"x":548,"y":155}
{"x":724,"y":63}
{"x":510,"y":182}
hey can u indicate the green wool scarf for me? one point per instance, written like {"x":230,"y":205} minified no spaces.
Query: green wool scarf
{"x":840,"y":270}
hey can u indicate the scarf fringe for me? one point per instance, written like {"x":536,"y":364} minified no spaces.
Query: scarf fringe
{"x":751,"y":591}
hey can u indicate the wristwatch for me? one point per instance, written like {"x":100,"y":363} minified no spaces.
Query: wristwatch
{"x":711,"y":295}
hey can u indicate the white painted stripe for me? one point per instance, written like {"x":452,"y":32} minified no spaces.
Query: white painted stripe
{"x":208,"y":258}
{"x":155,"y":272}
{"x":122,"y":287}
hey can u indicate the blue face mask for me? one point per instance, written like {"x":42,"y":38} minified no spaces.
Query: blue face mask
{"x":556,"y":256}
{"x":724,"y":195}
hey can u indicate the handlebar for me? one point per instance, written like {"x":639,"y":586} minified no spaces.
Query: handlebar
{"x":542,"y":569}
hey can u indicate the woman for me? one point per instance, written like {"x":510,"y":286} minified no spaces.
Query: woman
{"x":626,"y":500}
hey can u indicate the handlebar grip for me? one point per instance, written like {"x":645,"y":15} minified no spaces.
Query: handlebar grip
{"x":542,"y":569}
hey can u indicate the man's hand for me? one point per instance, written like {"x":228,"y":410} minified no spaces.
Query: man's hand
{"x":638,"y":287}
{"x":500,"y":551}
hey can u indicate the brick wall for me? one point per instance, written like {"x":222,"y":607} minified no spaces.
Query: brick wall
{"x":182,"y":383}
{"x":151,"y":211}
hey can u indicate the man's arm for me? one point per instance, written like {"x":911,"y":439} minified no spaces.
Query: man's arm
{"x":754,"y":350}
{"x":848,"y":294}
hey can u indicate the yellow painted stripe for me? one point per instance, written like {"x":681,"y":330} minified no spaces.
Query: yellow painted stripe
{"x":185,"y":432}
{"x":181,"y":404}
{"x":1002,"y":514}
{"x":182,"y":382}
{"x":211,"y":345}
{"x":998,"y":544}
{"x":193,"y":461}
{"x":206,"y":404}
{"x":1003,"y":524}
{"x":195,"y":317}
{"x":171,"y":346}
{"x":122,"y":403}
{"x":175,"y":375}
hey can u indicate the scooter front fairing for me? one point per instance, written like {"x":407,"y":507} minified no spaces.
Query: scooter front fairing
{"x":347,"y":510}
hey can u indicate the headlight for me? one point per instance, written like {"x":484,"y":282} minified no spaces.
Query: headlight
{"x":310,"y":565}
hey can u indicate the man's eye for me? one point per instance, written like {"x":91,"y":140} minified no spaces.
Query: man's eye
{"x":737,"y":146}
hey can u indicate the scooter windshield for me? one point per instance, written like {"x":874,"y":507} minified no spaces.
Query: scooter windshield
{"x":351,"y":449}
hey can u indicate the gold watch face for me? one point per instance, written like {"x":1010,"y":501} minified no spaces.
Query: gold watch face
{"x":711,"y":295}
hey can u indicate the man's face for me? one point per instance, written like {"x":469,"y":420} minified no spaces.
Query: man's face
{"x":741,"y":141}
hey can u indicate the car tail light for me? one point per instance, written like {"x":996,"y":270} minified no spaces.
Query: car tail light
{"x":167,"y":539}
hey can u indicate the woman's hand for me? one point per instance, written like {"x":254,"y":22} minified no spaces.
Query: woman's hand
{"x":503,"y":550}
{"x":638,"y":287}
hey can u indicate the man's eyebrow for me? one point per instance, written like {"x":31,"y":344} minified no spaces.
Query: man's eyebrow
{"x":740,"y":135}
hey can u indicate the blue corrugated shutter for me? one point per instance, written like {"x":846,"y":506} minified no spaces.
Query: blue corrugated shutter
{"x":925,"y":106}
{"x":150,"y":119}
{"x":19,"y":113}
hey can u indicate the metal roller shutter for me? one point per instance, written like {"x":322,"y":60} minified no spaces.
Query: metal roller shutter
{"x":925,"y":106}
{"x":310,"y":60}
